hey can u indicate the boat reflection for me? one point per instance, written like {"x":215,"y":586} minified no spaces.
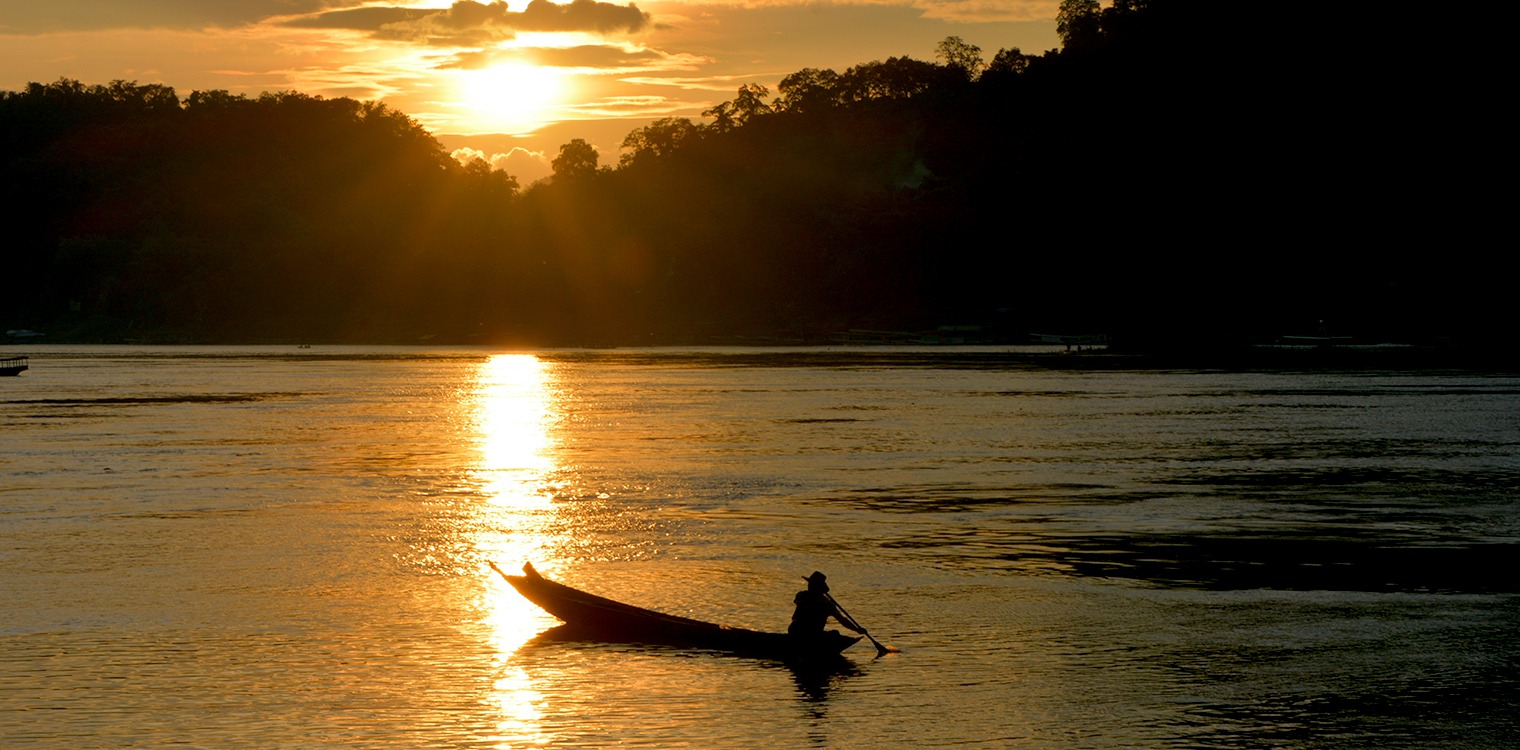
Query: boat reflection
{"x":815,"y":678}
{"x":513,"y":408}
{"x":815,"y":682}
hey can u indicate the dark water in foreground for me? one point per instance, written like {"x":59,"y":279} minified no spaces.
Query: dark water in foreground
{"x":270,"y":547}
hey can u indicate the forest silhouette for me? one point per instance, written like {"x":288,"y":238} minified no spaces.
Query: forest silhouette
{"x":1179,"y":174}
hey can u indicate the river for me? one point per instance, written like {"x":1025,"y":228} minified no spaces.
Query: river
{"x":273,"y":547}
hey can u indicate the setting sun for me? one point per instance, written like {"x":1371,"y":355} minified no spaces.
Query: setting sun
{"x":515,"y":96}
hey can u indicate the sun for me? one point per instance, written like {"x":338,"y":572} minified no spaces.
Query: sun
{"x":512,"y":97}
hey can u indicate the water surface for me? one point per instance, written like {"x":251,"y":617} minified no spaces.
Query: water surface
{"x":280,"y":547}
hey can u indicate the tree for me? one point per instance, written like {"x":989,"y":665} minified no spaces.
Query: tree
{"x":896,"y":78}
{"x":658,"y":139}
{"x":1078,"y":22}
{"x":723,"y":116}
{"x":1009,"y":61}
{"x":577,"y":159}
{"x":808,"y":90}
{"x":146,"y":97}
{"x":955,"y":52}
{"x":492,"y":182}
{"x":216,"y":99}
{"x":748,"y":104}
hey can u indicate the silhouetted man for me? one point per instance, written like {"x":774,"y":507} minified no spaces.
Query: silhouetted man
{"x":815,"y":607}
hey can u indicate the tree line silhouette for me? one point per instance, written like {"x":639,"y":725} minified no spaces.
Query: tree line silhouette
{"x":1169,"y":177}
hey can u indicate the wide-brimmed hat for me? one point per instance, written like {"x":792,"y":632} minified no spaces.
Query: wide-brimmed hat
{"x":816,"y":577}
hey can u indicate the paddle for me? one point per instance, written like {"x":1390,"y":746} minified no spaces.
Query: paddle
{"x":881,"y":650}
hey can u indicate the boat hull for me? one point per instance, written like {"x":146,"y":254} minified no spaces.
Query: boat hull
{"x":591,"y":617}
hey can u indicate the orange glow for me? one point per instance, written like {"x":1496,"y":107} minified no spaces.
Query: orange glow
{"x":512,"y":97}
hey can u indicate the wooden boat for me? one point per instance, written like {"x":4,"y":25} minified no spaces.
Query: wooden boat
{"x":12,"y":365}
{"x":592,"y":617}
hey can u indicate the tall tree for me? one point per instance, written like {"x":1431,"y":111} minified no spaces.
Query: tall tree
{"x":748,"y":104}
{"x":894,"y":78}
{"x":955,"y":52}
{"x":1009,"y":60}
{"x":808,"y":90}
{"x":577,"y":159}
{"x":1079,"y":23}
{"x":658,"y":139}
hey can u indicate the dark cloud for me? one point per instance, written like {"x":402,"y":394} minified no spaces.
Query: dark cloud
{"x":582,"y":15}
{"x":21,"y":17}
{"x":468,"y":22}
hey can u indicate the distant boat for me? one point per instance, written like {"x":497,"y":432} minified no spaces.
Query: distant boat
{"x":591,"y":617}
{"x":12,"y":366}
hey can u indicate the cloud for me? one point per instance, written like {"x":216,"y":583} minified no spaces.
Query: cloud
{"x":616,"y":107}
{"x":964,"y":11}
{"x":604,"y":56}
{"x":988,"y":11}
{"x":368,"y":19}
{"x":582,"y":15}
{"x":21,"y":17}
{"x":516,"y":161}
{"x":588,"y":57}
{"x":465,"y":155}
{"x":467,"y":22}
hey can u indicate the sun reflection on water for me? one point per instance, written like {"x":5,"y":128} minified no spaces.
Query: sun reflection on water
{"x":513,"y":414}
{"x":514,"y":404}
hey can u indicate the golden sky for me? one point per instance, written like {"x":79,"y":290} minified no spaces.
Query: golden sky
{"x":511,"y":80}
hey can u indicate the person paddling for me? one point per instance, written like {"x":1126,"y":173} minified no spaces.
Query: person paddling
{"x":815,"y":607}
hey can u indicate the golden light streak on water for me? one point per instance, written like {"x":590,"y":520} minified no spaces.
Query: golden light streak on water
{"x":513,"y":402}
{"x":521,"y":714}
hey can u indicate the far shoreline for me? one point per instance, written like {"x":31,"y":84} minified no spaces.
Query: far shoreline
{"x":1270,"y":357}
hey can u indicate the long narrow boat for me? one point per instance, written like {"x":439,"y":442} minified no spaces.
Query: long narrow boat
{"x":12,"y":365}
{"x":592,"y":617}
